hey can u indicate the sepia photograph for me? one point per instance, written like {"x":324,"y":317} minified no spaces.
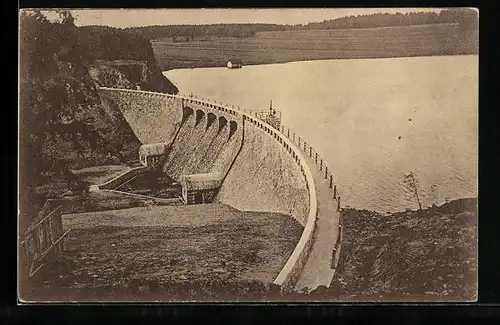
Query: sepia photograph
{"x":248,"y":155}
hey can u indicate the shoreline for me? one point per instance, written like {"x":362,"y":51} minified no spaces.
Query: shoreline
{"x":330,"y":44}
{"x":216,"y":66}
{"x":407,"y":210}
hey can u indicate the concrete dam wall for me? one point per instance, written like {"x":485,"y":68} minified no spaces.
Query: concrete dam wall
{"x":264,"y":170}
{"x":264,"y":178}
{"x":199,"y":140}
{"x":146,"y":114}
{"x":204,"y":143}
{"x":203,"y":139}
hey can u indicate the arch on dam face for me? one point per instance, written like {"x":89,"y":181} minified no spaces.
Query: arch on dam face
{"x":233,"y":126}
{"x":186,"y":112}
{"x":222,"y":123}
{"x":200,"y":114}
{"x":211,"y":117}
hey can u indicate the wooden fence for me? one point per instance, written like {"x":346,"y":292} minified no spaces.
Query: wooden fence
{"x":43,"y":237}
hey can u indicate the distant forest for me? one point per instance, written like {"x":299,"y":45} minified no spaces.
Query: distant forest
{"x":108,"y":43}
{"x":467,"y":18}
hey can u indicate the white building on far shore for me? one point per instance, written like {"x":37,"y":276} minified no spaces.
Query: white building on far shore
{"x":234,"y":64}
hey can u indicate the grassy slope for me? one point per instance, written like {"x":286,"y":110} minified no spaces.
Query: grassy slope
{"x":286,"y":46}
{"x":406,"y":256}
{"x":167,"y":253}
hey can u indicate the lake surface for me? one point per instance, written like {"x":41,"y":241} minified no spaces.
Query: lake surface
{"x":373,"y":120}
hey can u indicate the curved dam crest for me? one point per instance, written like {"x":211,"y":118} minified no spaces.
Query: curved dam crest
{"x":264,"y":171}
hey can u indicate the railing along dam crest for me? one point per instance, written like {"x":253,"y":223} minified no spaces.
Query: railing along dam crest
{"x":233,"y":115}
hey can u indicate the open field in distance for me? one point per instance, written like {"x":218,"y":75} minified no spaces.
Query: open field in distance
{"x":286,"y":46}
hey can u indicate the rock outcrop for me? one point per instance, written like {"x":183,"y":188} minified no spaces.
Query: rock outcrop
{"x":130,"y":74}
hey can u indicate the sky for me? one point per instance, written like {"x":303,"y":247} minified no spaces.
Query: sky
{"x":146,"y":17}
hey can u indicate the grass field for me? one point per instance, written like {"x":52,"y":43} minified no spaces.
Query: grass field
{"x":143,"y":253}
{"x":286,"y":46}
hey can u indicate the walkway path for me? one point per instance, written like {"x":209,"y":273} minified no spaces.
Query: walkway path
{"x":317,"y":270}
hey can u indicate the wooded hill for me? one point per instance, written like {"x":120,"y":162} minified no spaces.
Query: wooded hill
{"x":468,"y":18}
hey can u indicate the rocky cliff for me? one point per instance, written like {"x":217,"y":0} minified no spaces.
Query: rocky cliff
{"x":119,"y":58}
{"x":130,"y":74}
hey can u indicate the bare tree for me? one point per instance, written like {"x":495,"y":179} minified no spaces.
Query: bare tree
{"x":413,"y":187}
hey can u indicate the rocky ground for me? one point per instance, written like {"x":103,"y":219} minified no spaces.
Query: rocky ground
{"x":409,"y":256}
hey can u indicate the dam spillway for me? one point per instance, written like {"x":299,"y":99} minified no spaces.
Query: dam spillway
{"x":263,"y":170}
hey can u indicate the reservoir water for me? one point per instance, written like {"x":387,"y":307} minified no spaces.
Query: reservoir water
{"x":373,"y":120}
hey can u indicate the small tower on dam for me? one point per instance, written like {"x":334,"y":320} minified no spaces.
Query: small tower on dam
{"x":271,"y":117}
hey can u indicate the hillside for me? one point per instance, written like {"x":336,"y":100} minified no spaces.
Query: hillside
{"x":129,"y":74}
{"x":121,"y":59}
{"x":466,"y":17}
{"x":300,"y":45}
{"x":408,"y":256}
{"x":64,"y":124}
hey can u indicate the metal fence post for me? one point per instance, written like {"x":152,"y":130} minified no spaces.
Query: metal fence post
{"x":316,"y":158}
{"x":310,"y":151}
{"x":321,"y":164}
{"x":326,"y":172}
{"x":331,"y":181}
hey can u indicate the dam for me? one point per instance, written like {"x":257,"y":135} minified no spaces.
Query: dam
{"x":263,"y":168}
